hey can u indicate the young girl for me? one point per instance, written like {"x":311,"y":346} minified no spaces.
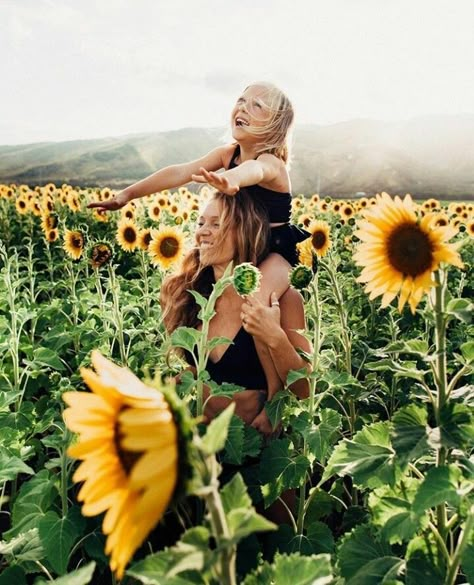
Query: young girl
{"x":261,"y":122}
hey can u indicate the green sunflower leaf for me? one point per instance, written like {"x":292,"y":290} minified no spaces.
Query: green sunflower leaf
{"x":440,"y":485}
{"x":392,"y":511}
{"x":359,"y":548}
{"x":216,"y":435}
{"x":410,"y":433}
{"x":368,"y":458}
{"x":186,"y":338}
{"x":296,"y":569}
{"x":58,"y":536}
{"x":281,"y":468}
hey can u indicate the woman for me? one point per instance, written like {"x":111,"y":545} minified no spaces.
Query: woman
{"x":233,"y":229}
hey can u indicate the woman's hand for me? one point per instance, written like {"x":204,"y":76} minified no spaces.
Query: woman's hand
{"x":260,"y":321}
{"x":262,"y":423}
{"x":216,"y":180}
{"x":113,"y":204}
{"x":247,"y":404}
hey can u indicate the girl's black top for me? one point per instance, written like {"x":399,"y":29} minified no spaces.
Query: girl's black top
{"x":277,"y":206}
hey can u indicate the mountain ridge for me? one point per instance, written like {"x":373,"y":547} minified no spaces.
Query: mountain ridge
{"x":425,"y":156}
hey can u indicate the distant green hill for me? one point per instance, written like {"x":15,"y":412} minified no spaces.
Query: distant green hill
{"x":430,"y":156}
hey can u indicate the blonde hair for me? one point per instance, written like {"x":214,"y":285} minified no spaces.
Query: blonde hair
{"x":243,"y":220}
{"x":276,"y":132}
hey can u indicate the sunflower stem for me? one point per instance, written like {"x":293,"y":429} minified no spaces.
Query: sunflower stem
{"x":207,"y":313}
{"x":441,"y":386}
{"x":463,"y":541}
{"x":346,"y":340}
{"x":11,"y":279}
{"x":312,"y":392}
{"x":146,"y":288}
{"x":220,"y":528}
{"x":117,"y":315}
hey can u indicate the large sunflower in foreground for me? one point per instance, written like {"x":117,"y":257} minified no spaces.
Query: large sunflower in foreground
{"x":128,"y":443}
{"x":166,"y":247}
{"x":399,"y":252}
{"x":320,"y":237}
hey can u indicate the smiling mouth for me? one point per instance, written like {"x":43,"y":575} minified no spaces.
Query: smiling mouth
{"x":241,"y":122}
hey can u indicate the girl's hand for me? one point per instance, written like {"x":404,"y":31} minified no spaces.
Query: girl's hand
{"x":216,"y":180}
{"x":260,"y":321}
{"x":113,"y":204}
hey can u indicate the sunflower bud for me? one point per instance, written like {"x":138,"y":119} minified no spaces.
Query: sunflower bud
{"x":301,"y":276}
{"x":246,"y":278}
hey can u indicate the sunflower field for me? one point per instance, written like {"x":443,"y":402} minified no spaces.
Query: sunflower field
{"x":107,"y":473}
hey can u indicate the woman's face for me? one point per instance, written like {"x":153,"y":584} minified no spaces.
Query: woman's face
{"x":213,"y":250}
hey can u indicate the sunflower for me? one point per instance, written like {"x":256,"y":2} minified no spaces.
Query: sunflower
{"x":144,"y":238}
{"x":22,"y":205}
{"x":47,"y":204}
{"x":100,"y":215}
{"x":440,"y":219}
{"x":52,"y":235}
{"x":154,"y":210}
{"x":346,"y":211}
{"x":305,"y":219}
{"x":306,"y":254}
{"x":74,"y":243}
{"x":166,"y":247}
{"x":127,"y":235}
{"x":100,"y":254}
{"x":35,"y":207}
{"x":48,"y":222}
{"x":320,"y":237}
{"x":470,"y":228}
{"x":398,"y":252}
{"x":73,"y":201}
{"x":128,"y":444}
{"x":128,"y":212}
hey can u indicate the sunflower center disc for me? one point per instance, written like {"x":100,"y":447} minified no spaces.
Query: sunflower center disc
{"x":130,"y":235}
{"x":318,"y":240}
{"x":169,"y":247}
{"x":410,"y":250}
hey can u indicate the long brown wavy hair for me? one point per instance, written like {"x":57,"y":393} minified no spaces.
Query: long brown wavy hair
{"x":241,"y":218}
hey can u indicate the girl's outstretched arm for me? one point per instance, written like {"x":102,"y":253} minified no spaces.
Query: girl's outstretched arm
{"x":264,"y":169}
{"x":166,"y":178}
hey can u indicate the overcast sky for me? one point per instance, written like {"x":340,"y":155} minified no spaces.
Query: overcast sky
{"x":86,"y":68}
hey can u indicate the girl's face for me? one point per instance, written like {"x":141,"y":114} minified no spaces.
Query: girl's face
{"x":213,"y":251}
{"x":251,"y":109}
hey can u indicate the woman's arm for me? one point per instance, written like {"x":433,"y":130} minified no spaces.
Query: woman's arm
{"x":166,"y":178}
{"x":276,"y":326}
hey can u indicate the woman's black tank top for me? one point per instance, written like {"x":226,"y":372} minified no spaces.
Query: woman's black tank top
{"x":277,"y":205}
{"x":239,"y":364}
